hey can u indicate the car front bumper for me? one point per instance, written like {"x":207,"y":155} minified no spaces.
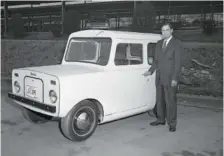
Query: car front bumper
{"x":42,"y":106}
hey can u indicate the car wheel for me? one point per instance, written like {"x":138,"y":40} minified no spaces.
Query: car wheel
{"x":81,"y":121}
{"x":35,"y":117}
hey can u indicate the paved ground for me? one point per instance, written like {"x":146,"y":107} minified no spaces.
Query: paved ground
{"x":199,"y":133}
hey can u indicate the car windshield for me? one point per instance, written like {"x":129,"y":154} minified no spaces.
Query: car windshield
{"x":89,"y":50}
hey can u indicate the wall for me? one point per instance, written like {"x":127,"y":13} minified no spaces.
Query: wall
{"x":26,"y":53}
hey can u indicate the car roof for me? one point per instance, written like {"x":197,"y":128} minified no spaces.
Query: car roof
{"x":116,"y":34}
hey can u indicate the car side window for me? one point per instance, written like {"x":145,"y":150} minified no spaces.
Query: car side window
{"x":128,"y":54}
{"x":151,"y":52}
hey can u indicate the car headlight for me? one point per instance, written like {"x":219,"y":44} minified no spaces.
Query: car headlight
{"x":17,"y":86}
{"x":53,"y":96}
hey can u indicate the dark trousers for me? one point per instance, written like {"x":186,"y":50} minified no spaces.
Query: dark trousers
{"x":167,"y":104}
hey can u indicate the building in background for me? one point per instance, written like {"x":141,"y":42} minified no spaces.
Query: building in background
{"x":41,"y":17}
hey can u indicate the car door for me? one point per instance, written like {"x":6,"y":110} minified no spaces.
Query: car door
{"x":128,"y":80}
{"x":149,"y":87}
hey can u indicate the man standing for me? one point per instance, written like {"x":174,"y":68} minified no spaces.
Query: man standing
{"x":167,"y":64}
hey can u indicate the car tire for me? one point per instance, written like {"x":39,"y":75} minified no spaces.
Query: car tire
{"x":35,"y":117}
{"x":81,"y":121}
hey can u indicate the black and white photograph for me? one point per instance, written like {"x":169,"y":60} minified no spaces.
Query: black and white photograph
{"x":112,"y":78}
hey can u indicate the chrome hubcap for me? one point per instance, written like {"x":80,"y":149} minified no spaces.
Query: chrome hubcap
{"x":82,"y":121}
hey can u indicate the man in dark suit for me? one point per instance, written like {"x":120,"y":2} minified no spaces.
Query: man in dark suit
{"x":167,"y":64}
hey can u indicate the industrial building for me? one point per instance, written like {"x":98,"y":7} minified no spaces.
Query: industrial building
{"x":40,"y":15}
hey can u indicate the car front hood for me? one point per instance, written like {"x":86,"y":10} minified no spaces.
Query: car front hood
{"x":64,"y":70}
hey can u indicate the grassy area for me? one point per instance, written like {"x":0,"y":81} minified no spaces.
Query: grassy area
{"x":198,"y":35}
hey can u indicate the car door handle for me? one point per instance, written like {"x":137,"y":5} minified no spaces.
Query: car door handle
{"x":145,"y":76}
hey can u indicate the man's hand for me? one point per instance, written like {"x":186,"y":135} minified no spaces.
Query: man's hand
{"x":147,"y":73}
{"x":174,"y":83}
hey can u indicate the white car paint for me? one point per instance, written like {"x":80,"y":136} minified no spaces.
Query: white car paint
{"x":121,"y":90}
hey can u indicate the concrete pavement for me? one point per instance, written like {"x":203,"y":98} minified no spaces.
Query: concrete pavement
{"x":199,"y":133}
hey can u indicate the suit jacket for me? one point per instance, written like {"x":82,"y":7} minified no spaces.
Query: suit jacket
{"x":167,"y":62}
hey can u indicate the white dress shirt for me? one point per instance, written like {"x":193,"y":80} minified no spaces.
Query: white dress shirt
{"x":168,"y":40}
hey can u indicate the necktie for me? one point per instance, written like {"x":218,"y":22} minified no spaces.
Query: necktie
{"x":164,"y":44}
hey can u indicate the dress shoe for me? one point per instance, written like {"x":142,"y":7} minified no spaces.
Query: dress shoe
{"x":172,"y":129}
{"x":157,"y":123}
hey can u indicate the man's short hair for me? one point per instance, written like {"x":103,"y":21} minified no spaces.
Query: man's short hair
{"x":167,"y":23}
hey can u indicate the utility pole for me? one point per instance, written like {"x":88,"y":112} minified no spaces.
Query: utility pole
{"x":169,"y":10}
{"x":62,"y":16}
{"x":135,"y":13}
{"x":6,"y":16}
